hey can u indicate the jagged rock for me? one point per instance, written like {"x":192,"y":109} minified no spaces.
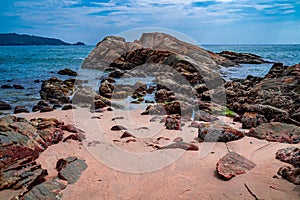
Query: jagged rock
{"x":233,"y":164}
{"x":70,"y":169}
{"x":276,"y":132}
{"x":4,"y":106}
{"x":67,"y":71}
{"x":20,"y":109}
{"x":172,"y":122}
{"x":290,"y":174}
{"x":243,"y":58}
{"x":250,"y":120}
{"x":56,"y":89}
{"x":51,"y":189}
{"x":21,"y":173}
{"x":218,"y":132}
{"x":289,"y":155}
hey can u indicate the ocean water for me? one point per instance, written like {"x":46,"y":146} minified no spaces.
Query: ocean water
{"x":24,"y":64}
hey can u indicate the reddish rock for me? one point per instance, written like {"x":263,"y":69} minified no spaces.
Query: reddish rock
{"x":276,"y":132}
{"x":250,"y":120}
{"x":290,"y":174}
{"x":233,"y":164}
{"x":289,"y":155}
{"x":217,"y":132}
{"x":172,"y":122}
{"x":181,"y":145}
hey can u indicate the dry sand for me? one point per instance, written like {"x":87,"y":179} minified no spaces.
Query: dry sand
{"x":133,"y":169}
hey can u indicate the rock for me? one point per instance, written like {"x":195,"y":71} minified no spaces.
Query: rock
{"x":67,"y":71}
{"x":4,"y":106}
{"x":163,"y":95}
{"x":250,"y":120}
{"x":21,"y":173}
{"x":276,"y":132}
{"x":118,"y":128}
{"x":6,"y":86}
{"x":70,"y":128}
{"x":233,"y":164}
{"x":51,"y":189}
{"x":18,"y":87}
{"x":289,"y":155}
{"x":127,"y":134}
{"x":20,"y":109}
{"x":55,"y":89}
{"x":37,"y":108}
{"x":70,"y":169}
{"x":290,"y":174}
{"x":106,"y":89}
{"x":181,"y":145}
{"x":243,"y":58}
{"x":172,"y":122}
{"x":42,"y":103}
{"x":68,"y":107}
{"x":76,"y":136}
{"x":218,"y":132}
{"x":202,"y":116}
{"x":46,"y":109}
{"x":116,"y":74}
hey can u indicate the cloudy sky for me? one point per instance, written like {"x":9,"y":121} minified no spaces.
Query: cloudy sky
{"x":206,"y":21}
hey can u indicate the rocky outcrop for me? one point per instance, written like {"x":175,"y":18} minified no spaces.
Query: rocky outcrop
{"x":233,"y":164}
{"x":243,"y":58}
{"x":289,"y":155}
{"x":218,"y":132}
{"x":56,"y":89}
{"x":276,"y":96}
{"x":276,"y":132}
{"x":67,"y":71}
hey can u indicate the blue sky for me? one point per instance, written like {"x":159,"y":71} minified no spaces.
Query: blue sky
{"x":206,"y":21}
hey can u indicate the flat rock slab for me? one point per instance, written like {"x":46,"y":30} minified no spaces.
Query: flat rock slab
{"x":276,"y":132}
{"x":70,"y":169}
{"x":289,"y":155}
{"x":233,"y":164}
{"x":48,"y":190}
{"x":218,"y":132}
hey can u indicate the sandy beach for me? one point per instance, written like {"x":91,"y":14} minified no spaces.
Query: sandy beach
{"x":188,"y":175}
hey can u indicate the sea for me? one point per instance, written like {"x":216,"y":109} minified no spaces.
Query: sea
{"x":30,"y":65}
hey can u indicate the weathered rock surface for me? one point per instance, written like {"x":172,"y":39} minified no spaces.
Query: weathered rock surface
{"x":172,"y":122}
{"x":67,"y":71}
{"x":290,"y":174}
{"x":250,"y":120}
{"x":289,"y":155}
{"x":218,"y":132}
{"x":233,"y":164}
{"x":70,"y":169}
{"x":56,"y":89}
{"x":276,"y":132}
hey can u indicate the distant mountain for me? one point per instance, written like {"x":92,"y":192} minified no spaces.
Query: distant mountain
{"x":13,"y":39}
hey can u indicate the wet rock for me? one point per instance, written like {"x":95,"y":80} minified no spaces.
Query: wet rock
{"x":243,"y":58}
{"x":57,"y":90}
{"x":18,"y":87}
{"x":46,"y":109}
{"x":276,"y":132}
{"x":20,"y":109}
{"x":51,"y":189}
{"x":289,"y":155}
{"x":37,"y":108}
{"x":116,"y":74}
{"x":70,"y":169}
{"x":233,"y":164}
{"x":6,"y":86}
{"x":290,"y":174}
{"x":218,"y":132}
{"x":172,"y":122}
{"x":68,"y":107}
{"x":4,"y":106}
{"x":67,"y":71}
{"x":42,"y":103}
{"x":118,"y":128}
{"x":250,"y":120}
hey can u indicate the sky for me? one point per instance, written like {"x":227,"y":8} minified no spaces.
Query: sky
{"x":205,"y":21}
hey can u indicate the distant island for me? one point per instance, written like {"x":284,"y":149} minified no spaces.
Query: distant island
{"x":13,"y":39}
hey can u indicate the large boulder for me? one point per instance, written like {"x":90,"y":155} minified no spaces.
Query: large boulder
{"x":233,"y":164}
